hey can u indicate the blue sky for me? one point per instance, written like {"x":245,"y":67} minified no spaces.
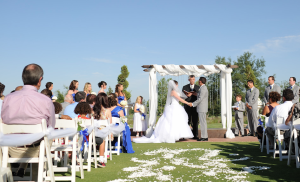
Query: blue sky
{"x":90,"y":40}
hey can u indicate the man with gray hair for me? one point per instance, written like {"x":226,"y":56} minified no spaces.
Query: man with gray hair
{"x":79,"y":97}
{"x":68,"y":101}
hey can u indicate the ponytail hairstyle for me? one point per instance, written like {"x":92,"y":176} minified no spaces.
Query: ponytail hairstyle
{"x":101,"y":83}
{"x":73,"y":85}
{"x":101,"y":102}
{"x":48,"y":85}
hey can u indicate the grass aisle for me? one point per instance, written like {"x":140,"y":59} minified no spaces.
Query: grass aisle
{"x":194,"y":162}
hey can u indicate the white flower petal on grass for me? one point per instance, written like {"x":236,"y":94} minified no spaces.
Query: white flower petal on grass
{"x":233,"y":154}
{"x":131,"y":169}
{"x":119,"y":180}
{"x":168,"y":168}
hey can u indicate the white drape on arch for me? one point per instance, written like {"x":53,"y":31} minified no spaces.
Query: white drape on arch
{"x":175,"y":70}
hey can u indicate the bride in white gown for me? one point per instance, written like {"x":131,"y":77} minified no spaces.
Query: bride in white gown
{"x":173,"y":124}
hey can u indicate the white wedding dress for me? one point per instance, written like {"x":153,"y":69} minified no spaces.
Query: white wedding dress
{"x":172,"y":125}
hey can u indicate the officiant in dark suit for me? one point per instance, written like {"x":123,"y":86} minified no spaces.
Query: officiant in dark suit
{"x":189,"y":89}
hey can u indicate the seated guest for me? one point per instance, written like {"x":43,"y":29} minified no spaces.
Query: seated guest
{"x":19,"y":88}
{"x":91,"y":100}
{"x":67,"y":101}
{"x":49,"y":86}
{"x":279,"y":111}
{"x":2,"y":87}
{"x":79,"y":97}
{"x":47,"y":92}
{"x":58,"y":109}
{"x":83,"y":109}
{"x":27,"y":106}
{"x":73,"y":88}
{"x":102,"y":85}
{"x":87,"y":88}
{"x":116,"y":111}
{"x":102,"y":112}
{"x":274,"y":97}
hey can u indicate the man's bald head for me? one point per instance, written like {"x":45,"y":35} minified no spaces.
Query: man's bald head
{"x":32,"y":74}
{"x":18,"y":88}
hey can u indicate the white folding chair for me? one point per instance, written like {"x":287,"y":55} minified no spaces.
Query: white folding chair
{"x":66,"y":148}
{"x":44,"y":147}
{"x":104,"y":123}
{"x":91,"y":148}
{"x":116,"y":149}
{"x":280,"y":125}
{"x":295,"y":128}
{"x":267,"y":146}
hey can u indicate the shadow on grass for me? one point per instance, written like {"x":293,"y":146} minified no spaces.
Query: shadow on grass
{"x":279,"y":170}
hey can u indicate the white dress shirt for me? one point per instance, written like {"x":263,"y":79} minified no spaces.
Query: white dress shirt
{"x":279,"y":111}
{"x":192,"y":87}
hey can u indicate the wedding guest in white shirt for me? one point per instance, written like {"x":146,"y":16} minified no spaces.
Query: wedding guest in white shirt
{"x":279,"y":111}
{"x":271,"y":88}
{"x":294,"y":88}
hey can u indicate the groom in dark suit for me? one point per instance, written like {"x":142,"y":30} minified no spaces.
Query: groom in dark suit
{"x":192,"y":111}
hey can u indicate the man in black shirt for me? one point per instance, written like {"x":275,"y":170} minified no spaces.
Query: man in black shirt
{"x":190,"y":91}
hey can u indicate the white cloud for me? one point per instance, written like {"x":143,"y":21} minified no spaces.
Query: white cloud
{"x":99,"y":60}
{"x":286,"y":43}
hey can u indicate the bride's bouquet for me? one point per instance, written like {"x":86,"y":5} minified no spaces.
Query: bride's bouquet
{"x":142,"y":110}
{"x":123,"y":103}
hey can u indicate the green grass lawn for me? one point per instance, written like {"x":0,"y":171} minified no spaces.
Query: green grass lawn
{"x":200,"y":162}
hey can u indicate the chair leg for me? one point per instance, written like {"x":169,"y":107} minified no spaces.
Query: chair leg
{"x":119,"y":144}
{"x":89,"y":160}
{"x":296,"y":149}
{"x":290,"y":148}
{"x":41,"y":161}
{"x":106,"y":150}
{"x":49,"y":161}
{"x":262,"y":143}
{"x":81,"y":165}
{"x":110,"y":151}
{"x":95,"y":151}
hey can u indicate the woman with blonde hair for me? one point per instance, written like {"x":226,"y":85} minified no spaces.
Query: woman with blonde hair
{"x":121,"y":96}
{"x":138,"y":124}
{"x":87,"y":88}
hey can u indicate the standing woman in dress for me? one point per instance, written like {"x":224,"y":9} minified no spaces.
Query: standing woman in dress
{"x":73,"y":88}
{"x":49,"y":86}
{"x":102,"y":85}
{"x":121,"y":96}
{"x":87,"y":88}
{"x":138,"y":123}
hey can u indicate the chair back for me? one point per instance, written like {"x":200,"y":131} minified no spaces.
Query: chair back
{"x":64,"y":123}
{"x":296,"y":122}
{"x":116,"y":120}
{"x":280,"y":121}
{"x":99,"y":123}
{"x":22,"y":128}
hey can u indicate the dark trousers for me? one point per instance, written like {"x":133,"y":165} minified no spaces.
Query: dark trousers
{"x":193,"y":118}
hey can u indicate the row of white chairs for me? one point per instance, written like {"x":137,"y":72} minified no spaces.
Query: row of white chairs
{"x":61,"y":147}
{"x":278,"y":137}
